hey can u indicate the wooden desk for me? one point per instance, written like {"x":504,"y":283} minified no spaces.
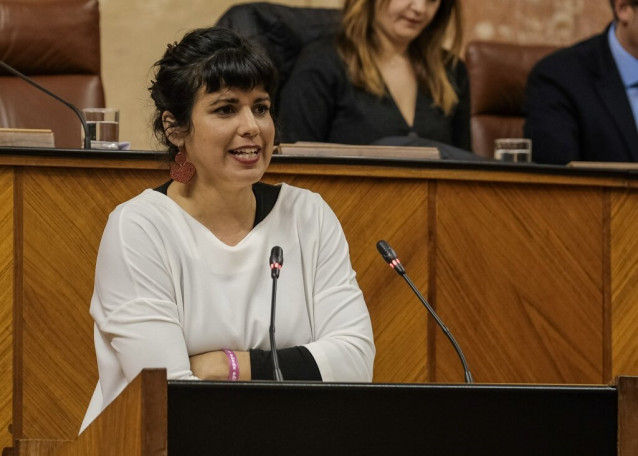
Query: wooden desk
{"x":153,"y":417}
{"x":532,"y":268}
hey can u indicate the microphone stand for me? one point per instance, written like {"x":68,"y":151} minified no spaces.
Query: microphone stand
{"x":391,"y":258}
{"x":457,"y":348}
{"x":276,"y":262}
{"x":25,"y":78}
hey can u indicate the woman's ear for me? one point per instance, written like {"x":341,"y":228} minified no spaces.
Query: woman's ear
{"x":174,"y":134}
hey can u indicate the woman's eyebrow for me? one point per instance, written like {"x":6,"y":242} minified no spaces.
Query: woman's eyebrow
{"x":234,"y":100}
{"x":223,"y":99}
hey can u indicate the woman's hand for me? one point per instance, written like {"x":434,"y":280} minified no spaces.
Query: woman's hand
{"x":215,"y":365}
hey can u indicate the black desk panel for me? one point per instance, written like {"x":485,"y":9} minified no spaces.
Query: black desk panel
{"x":224,"y":418}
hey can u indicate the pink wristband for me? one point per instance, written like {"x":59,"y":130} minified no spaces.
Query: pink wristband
{"x":233,"y":375}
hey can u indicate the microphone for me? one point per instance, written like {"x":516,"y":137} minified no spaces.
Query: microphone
{"x":391,"y":258}
{"x":276,"y":262}
{"x":87,"y":136}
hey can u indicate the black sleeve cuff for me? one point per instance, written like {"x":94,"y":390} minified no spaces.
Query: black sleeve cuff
{"x":296,"y":363}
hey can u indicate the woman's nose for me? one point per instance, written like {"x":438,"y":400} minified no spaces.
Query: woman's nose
{"x":418,"y":5}
{"x":248,"y":124}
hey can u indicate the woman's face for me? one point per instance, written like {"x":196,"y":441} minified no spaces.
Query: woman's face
{"x":231,"y":139}
{"x":401,"y":21}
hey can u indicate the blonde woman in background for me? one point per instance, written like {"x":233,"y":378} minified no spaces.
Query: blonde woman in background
{"x":385,"y":74}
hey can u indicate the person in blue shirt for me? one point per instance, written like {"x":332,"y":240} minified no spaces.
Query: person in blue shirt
{"x":581,"y":102}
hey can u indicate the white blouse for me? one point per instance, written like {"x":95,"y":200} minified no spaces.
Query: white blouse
{"x":166,"y":288}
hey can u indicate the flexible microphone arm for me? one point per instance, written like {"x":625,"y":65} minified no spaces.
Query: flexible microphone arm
{"x":87,"y":136}
{"x":391,"y":258}
{"x":276,"y":262}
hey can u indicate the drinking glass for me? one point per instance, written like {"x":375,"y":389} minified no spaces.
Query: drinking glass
{"x":104,"y":127}
{"x":517,"y":150}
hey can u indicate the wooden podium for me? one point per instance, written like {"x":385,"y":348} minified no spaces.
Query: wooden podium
{"x":533,"y":268}
{"x":156,"y":417}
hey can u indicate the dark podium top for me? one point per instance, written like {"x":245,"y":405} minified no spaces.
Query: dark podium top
{"x":349,"y":419}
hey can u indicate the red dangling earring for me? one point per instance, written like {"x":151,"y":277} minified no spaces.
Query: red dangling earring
{"x":182,"y":170}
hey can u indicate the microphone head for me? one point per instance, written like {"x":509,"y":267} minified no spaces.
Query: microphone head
{"x":277,"y":255}
{"x":276,"y":261}
{"x":390,"y":256}
{"x":386,"y":251}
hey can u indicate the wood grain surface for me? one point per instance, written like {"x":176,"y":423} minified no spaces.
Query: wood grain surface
{"x":6,"y":305}
{"x":624,"y":277}
{"x":533,"y":273}
{"x":519,"y":281}
{"x":141,"y":410}
{"x":64,"y":213}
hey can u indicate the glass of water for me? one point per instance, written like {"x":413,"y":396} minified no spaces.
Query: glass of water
{"x":104,"y":127}
{"x":518,"y":150}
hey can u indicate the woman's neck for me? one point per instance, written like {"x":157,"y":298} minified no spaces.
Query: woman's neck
{"x":229,"y":213}
{"x":388,"y":50}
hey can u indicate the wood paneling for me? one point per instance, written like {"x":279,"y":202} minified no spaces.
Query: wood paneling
{"x":65,"y":211}
{"x":624,"y":292}
{"x":534,"y":273}
{"x":627,"y":415}
{"x":141,"y":410}
{"x":6,"y":305}
{"x":519,"y":281}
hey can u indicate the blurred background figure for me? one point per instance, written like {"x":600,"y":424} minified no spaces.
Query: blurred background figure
{"x":385,"y":75}
{"x":582,"y":101}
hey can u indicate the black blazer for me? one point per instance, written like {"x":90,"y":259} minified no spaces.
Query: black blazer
{"x":319,"y":103}
{"x":577,"y":107}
